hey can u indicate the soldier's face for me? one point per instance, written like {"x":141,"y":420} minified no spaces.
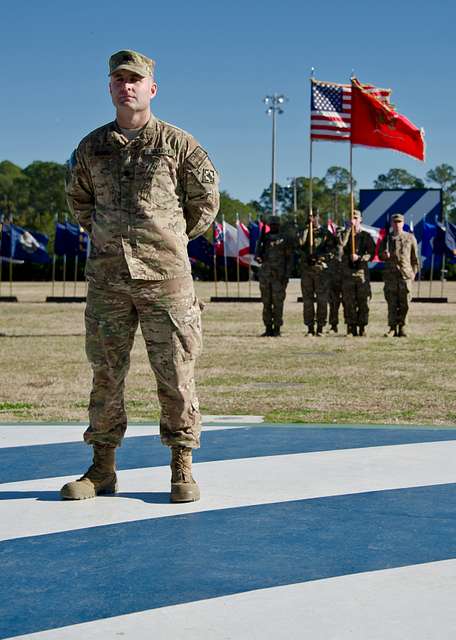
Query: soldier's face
{"x":131,"y":91}
{"x":398,"y":226}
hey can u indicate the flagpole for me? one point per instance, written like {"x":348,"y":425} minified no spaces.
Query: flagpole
{"x":76,"y":261}
{"x":432,"y":273}
{"x":1,"y":254}
{"x":215,"y":259}
{"x":237,"y":257}
{"x":352,"y":201}
{"x":445,"y":222}
{"x":310,"y":151}
{"x":250,"y":259}
{"x":11,"y":257}
{"x":54,"y":257}
{"x":64,"y":263}
{"x":225,"y":260}
{"x":420,"y":259}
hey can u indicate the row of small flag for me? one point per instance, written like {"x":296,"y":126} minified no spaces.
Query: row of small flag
{"x":228,"y":241}
{"x":25,"y":245}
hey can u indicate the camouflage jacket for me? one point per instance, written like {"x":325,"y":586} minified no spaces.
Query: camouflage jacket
{"x":364,"y":248}
{"x":324,"y":249}
{"x":403,"y":260}
{"x":276,"y":254}
{"x":140,"y":201}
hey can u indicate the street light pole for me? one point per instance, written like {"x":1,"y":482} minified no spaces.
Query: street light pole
{"x":274,"y":103}
{"x":295,"y":193}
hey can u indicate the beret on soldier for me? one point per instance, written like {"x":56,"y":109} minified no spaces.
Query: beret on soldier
{"x":397,"y":217}
{"x":131,"y":61}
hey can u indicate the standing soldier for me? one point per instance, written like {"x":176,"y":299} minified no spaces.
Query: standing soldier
{"x":274,"y":253}
{"x":318,"y":247}
{"x":141,"y":188}
{"x":358,"y":249}
{"x":400,"y":253}
{"x":335,"y":283}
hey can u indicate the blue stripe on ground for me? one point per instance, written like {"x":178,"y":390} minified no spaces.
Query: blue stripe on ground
{"x":67,"y":578}
{"x":72,"y":458}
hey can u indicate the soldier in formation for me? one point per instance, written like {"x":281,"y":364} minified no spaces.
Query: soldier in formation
{"x":358,"y":249}
{"x":141,"y":188}
{"x":399,"y":251}
{"x":318,"y":248}
{"x":274,"y":252}
{"x":335,"y":283}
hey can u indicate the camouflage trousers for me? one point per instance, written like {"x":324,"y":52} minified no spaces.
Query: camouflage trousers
{"x":335,"y":296}
{"x":273,"y":292}
{"x":169,"y":315}
{"x":315,"y":291}
{"x":398,"y":293}
{"x":356,"y":293}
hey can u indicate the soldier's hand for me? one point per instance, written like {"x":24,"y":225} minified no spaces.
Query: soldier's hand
{"x":386,"y":255}
{"x":355,"y":257}
{"x":258,"y":259}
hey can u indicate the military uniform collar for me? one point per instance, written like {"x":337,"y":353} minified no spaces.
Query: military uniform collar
{"x":116,"y":138}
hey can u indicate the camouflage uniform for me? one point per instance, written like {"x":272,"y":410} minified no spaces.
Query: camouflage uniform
{"x":335,"y":286}
{"x":398,"y":275}
{"x":355,"y":279}
{"x":140,"y":202}
{"x":275,"y":251}
{"x":315,"y":276}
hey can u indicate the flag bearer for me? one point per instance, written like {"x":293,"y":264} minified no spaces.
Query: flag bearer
{"x":318,"y":248}
{"x":358,"y":249}
{"x":274,"y":252}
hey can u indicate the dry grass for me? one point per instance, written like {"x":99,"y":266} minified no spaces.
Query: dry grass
{"x":45,"y":376}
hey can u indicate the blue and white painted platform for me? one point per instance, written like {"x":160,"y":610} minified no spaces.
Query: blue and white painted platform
{"x":318,"y":532}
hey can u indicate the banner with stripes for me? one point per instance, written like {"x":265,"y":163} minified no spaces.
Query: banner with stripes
{"x":417,"y":205}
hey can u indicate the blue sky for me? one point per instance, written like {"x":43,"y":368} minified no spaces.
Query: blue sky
{"x":215,"y":63}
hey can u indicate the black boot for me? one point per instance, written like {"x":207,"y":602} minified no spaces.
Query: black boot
{"x":310,"y":330}
{"x":319,"y":330}
{"x":268,"y":332}
{"x":362,"y":330}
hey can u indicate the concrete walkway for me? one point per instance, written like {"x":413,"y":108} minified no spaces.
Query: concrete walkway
{"x":322,"y":532}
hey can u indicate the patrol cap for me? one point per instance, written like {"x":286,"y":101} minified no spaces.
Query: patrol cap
{"x":397,"y":217}
{"x":131,"y":61}
{"x":274,"y":219}
{"x":357,"y":214}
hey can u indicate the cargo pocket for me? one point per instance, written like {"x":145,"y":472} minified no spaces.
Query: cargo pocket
{"x":186,"y":332}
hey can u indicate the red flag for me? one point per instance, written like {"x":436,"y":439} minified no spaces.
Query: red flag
{"x":375,"y":123}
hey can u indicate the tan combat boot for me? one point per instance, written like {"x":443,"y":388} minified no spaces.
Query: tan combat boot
{"x":392,"y":332}
{"x":99,"y":479}
{"x":183,"y":486}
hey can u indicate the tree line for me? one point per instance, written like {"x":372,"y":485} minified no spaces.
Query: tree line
{"x":35,"y":196}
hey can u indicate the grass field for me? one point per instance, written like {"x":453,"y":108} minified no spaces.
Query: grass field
{"x":335,"y":379}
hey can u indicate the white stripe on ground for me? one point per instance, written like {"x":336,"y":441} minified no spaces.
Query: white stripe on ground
{"x":414,"y":602}
{"x":29,"y":435}
{"x":228,"y":484}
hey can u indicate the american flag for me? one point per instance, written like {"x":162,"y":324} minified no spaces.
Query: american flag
{"x":330,"y":110}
